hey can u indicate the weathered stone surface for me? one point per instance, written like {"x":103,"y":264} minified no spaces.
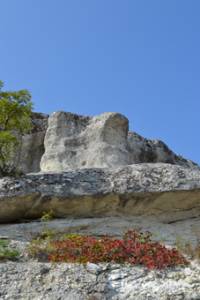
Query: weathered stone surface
{"x":35,"y":281}
{"x":69,"y":141}
{"x":170,"y":192}
{"x":32,"y":147}
{"x":185,"y":231}
{"x":95,"y":168}
{"x":152,"y":151}
{"x":28,"y":279}
{"x":74,"y":142}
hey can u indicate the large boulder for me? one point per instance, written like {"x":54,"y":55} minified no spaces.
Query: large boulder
{"x":74,"y":142}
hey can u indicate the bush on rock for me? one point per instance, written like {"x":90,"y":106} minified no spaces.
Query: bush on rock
{"x":135,"y":248}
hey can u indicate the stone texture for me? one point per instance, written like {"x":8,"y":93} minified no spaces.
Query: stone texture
{"x":143,"y":150}
{"x":185,"y":231}
{"x":69,"y":141}
{"x":32,"y":147}
{"x":35,"y":281}
{"x":170,"y":192}
{"x":105,"y":180}
{"x":28,"y":279}
{"x":74,"y":142}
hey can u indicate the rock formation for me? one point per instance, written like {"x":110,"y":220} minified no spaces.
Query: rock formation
{"x":74,"y":142}
{"x":92,"y":166}
{"x":32,"y":147}
{"x":169,"y":192}
{"x":67,"y":141}
{"x":101,"y":179}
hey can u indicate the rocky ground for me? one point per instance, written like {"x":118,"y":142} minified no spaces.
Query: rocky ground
{"x":29,"y":279}
{"x":34,"y":280}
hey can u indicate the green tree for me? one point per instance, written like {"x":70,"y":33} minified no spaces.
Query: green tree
{"x":15,"y":120}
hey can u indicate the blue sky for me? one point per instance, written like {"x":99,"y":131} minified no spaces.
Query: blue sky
{"x":140,"y":58}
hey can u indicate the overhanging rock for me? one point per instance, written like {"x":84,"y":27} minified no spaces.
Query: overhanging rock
{"x":169,"y":192}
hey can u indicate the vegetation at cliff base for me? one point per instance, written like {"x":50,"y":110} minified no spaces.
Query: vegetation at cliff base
{"x":15,"y":120}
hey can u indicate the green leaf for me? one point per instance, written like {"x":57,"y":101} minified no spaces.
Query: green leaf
{"x":15,"y":120}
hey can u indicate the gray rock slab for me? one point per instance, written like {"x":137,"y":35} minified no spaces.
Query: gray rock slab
{"x":169,"y":192}
{"x":169,"y":233}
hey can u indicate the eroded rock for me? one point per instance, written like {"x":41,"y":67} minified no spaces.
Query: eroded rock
{"x":74,"y":142}
{"x":170,"y":192}
{"x":32,"y":148}
{"x":66,"y":141}
{"x":143,"y":150}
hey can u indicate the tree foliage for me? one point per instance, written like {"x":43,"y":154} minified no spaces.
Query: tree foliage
{"x":15,"y":120}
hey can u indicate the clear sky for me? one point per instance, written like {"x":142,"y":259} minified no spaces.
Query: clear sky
{"x":137,"y":57}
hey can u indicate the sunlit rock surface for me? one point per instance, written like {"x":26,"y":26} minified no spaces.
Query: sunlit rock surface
{"x":170,"y":192}
{"x":74,"y":142}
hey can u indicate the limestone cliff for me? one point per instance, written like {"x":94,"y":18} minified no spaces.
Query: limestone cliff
{"x":67,"y":141}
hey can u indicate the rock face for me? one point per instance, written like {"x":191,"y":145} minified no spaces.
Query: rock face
{"x":169,"y":192}
{"x":92,"y":166}
{"x":143,"y":150}
{"x":35,"y":281}
{"x":32,"y":147}
{"x":103,"y":179}
{"x":66,"y":141}
{"x":74,"y":142}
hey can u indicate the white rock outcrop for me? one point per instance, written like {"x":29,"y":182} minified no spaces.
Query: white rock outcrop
{"x":74,"y":142}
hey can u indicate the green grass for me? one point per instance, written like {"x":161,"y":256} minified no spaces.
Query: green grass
{"x":6,"y":253}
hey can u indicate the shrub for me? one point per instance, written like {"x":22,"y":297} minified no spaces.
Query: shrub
{"x":135,"y":248}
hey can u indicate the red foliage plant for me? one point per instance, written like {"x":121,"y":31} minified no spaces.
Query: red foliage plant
{"x":135,"y":248}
